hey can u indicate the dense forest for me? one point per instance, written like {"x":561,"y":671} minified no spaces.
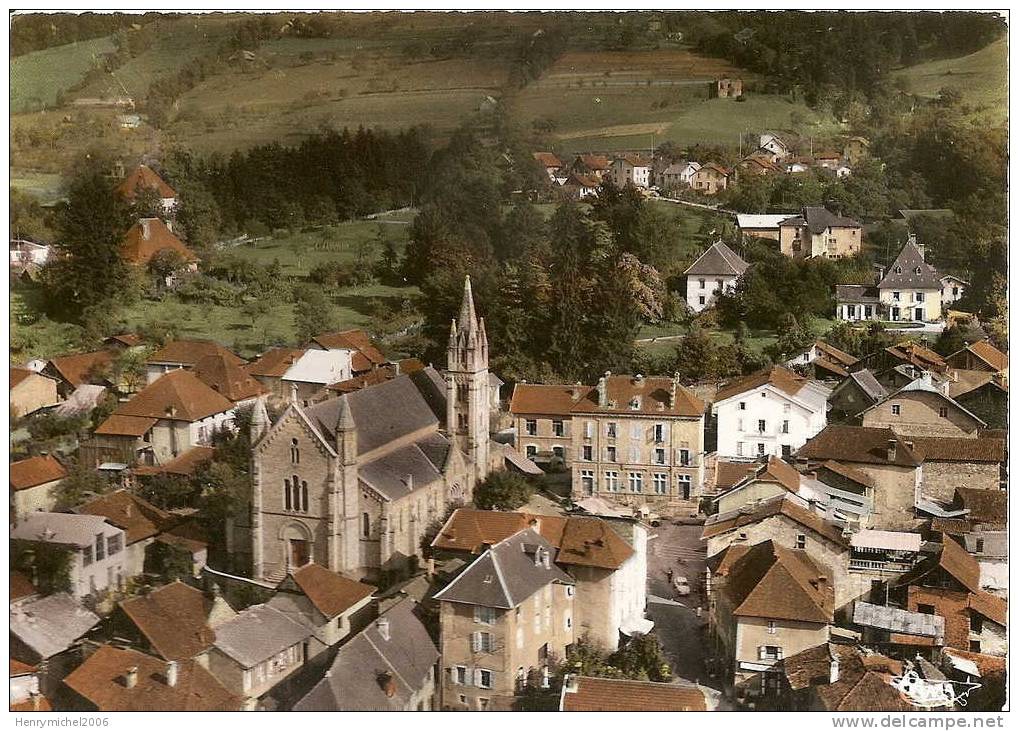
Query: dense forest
{"x":36,"y":31}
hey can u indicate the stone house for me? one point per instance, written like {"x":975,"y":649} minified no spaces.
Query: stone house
{"x":33,"y":483}
{"x":952,"y":289}
{"x":505,"y":621}
{"x":31,"y":392}
{"x":184,"y":354}
{"x":819,"y":232}
{"x":141,"y":522}
{"x":98,"y":561}
{"x":911,"y":289}
{"x":578,"y":186}
{"x":225,"y":377}
{"x":352,"y":483}
{"x":715,"y":271}
{"x":775,"y":145}
{"x":953,"y":462}
{"x":607,"y":559}
{"x":761,"y":226}
{"x":677,"y":175}
{"x":268,"y":369}
{"x":592,"y":166}
{"x":980,"y":356}
{"x":710,"y":179}
{"x":767,"y":602}
{"x":859,"y":391}
{"x":921,"y":409}
{"x":770,"y":412}
{"x":77,"y":369}
{"x":47,"y":633}
{"x":841,"y":678}
{"x":727,"y":88}
{"x":884,"y":457}
{"x":542,"y":421}
{"x":982,"y":393}
{"x":389,"y":666}
{"x":826,"y":361}
{"x":772,"y":477}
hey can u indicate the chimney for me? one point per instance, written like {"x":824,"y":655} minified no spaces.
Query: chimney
{"x":36,"y":697}
{"x":145,"y":228}
{"x":535,"y":524}
{"x":383,"y":626}
{"x":171,"y":673}
{"x":572,"y":682}
{"x":293,"y":393}
{"x":603,"y":392}
{"x":638,"y":379}
{"x":430,"y":568}
{"x":127,"y":510}
{"x":891,"y":450}
{"x":388,"y":684}
{"x":131,"y":678}
{"x":833,"y":667}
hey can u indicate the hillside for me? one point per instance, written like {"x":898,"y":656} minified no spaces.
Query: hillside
{"x":981,"y":78}
{"x":37,"y":77}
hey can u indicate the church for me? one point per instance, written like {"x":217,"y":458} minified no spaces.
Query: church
{"x":353,"y":483}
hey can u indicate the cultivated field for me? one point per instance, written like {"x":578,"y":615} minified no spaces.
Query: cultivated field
{"x":37,"y":77}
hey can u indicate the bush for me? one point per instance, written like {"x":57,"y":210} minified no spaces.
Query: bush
{"x":205,"y":290}
{"x":503,"y":491}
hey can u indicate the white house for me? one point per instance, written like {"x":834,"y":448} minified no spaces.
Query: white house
{"x":774,"y":144}
{"x":631,"y":169}
{"x":25,"y":252}
{"x":677,"y":175}
{"x":715,"y":271}
{"x":952,"y":289}
{"x":317,"y":369}
{"x":772,"y":412}
{"x":764,"y":226}
{"x":910,"y":290}
{"x":98,"y":558}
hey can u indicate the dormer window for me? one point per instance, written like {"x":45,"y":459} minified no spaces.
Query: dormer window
{"x":917,"y":270}
{"x":898,"y":270}
{"x":635,"y":403}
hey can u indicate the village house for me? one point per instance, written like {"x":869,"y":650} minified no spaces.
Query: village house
{"x":909,"y":291}
{"x":353,"y":482}
{"x":185,"y":354}
{"x":25,"y":689}
{"x":715,"y":271}
{"x":364,"y":355}
{"x":33,"y":485}
{"x":857,"y":392}
{"x":606,"y":558}
{"x":141,"y":522}
{"x":269,"y":368}
{"x":771,"y":412}
{"x":855,"y":149}
{"x":796,"y":164}
{"x":579,"y":186}
{"x":899,"y":632}
{"x":505,"y":621}
{"x":952,"y":289}
{"x":550,"y":162}
{"x":228,"y":379}
{"x":980,"y":356}
{"x":819,"y":232}
{"x":982,"y":393}
{"x":825,"y":361}
{"x":144,"y":179}
{"x":838,"y":678}
{"x":767,"y":603}
{"x":828,"y":160}
{"x":772,"y":143}
{"x":149,"y":237}
{"x":727,"y":88}
{"x":26,"y":255}
{"x":593,"y":166}
{"x":542,"y":421}
{"x":47,"y":633}
{"x":677,"y":175}
{"x":921,"y":409}
{"x":77,"y":369}
{"x":953,"y":462}
{"x":330,"y":605}
{"x":982,"y":531}
{"x":113,"y":679}
{"x":769,"y":478}
{"x":631,"y":169}
{"x":585,"y":694}
{"x":164,"y":420}
{"x":758,"y":164}
{"x":761,"y":226}
{"x":710,"y":179}
{"x":256,"y":652}
{"x":98,"y":562}
{"x":389,"y":666}
{"x":291,"y":372}
{"x":31,"y":392}
{"x":884,"y":457}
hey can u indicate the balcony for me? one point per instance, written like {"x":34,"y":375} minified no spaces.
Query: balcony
{"x":860,"y":564}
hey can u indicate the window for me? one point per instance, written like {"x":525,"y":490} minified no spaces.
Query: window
{"x":635,"y":430}
{"x":661,"y":481}
{"x":366,"y":525}
{"x":558,"y":428}
{"x":772,"y":627}
{"x":659,"y":433}
{"x":701,"y":300}
{"x":611,"y":454}
{"x":463,"y":700}
{"x":531,"y":427}
{"x":718,"y":285}
{"x":295,"y":452}
{"x":976,"y":624}
{"x":113,"y":545}
{"x":980,"y":545}
{"x":86,"y":556}
{"x":760,"y":448}
{"x":742,"y":405}
{"x":559,"y":452}
{"x":636,"y":482}
{"x":460,"y":675}
{"x":484,"y":615}
{"x":612,"y":481}
{"x":700,"y":283}
{"x":659,"y":456}
{"x":588,"y":429}
{"x":785,"y":426}
{"x":974,"y":645}
{"x":925,"y":608}
{"x":304,"y":496}
{"x":287,"y":495}
{"x":739,"y":424}
{"x":481,"y":642}
{"x":531,"y":451}
{"x":683,"y":483}
{"x":919,"y":296}
{"x":787,"y":408}
{"x":610,"y":430}
{"x":100,"y":547}
{"x":943,"y":412}
{"x":896,"y":296}
{"x":739,"y":449}
{"x":801,"y":540}
{"x":588,"y":452}
{"x":898,"y":270}
{"x":567,"y":621}
{"x":896,"y":410}
{"x":684,"y":457}
{"x":587,"y":481}
{"x":769,"y":652}
{"x":762,"y":425}
{"x":634,"y":454}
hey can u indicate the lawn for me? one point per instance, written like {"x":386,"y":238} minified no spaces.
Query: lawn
{"x":37,"y":77}
{"x":981,"y":77}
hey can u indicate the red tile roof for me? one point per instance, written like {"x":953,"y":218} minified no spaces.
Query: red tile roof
{"x":18,"y":375}
{"x":173,"y":620}
{"x":20,"y":668}
{"x":605,"y":694}
{"x":993,"y":607}
{"x":540,"y":398}
{"x":184,"y":464}
{"x":80,"y":368}
{"x":778,"y":505}
{"x":35,"y":471}
{"x":189,"y":352}
{"x":178,"y":395}
{"x":147,"y":238}
{"x":547,"y":159}
{"x":728,"y":474}
{"x":227,"y":378}
{"x":989,"y":355}
{"x":101,"y":680}
{"x":356,"y":340}
{"x":143,"y":177}
{"x":959,"y":449}
{"x":782,"y":378}
{"x":138,"y":518}
{"x":859,"y":444}
{"x":274,"y":363}
{"x":118,"y":425}
{"x":652,"y":394}
{"x":331,"y":593}
{"x":21,"y":586}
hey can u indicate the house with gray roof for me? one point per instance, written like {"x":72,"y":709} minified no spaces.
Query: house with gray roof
{"x":46,"y":632}
{"x":858,"y":391}
{"x":819,"y":232}
{"x":922,"y":408}
{"x":716,"y":270}
{"x":389,"y":666}
{"x":910,"y":290}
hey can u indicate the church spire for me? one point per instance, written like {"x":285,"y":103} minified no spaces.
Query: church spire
{"x":468,"y":318}
{"x":345,"y":419}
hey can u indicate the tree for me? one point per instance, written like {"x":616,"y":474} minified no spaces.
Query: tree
{"x":164,"y":264}
{"x":503,"y":491}
{"x":313,"y":313}
{"x":47,"y":564}
{"x":81,"y":484}
{"x":167,"y":491}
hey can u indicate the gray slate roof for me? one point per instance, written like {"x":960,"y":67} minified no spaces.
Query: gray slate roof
{"x":718,"y":259}
{"x":388,"y":475}
{"x":869,"y":385}
{"x":353,"y":683}
{"x":258,"y":633}
{"x":908,"y":262}
{"x":898,"y":620}
{"x":62,"y":528}
{"x":818,"y":218}
{"x":388,"y":410}
{"x":506,"y":574}
{"x":857,"y":293}
{"x":51,"y":624}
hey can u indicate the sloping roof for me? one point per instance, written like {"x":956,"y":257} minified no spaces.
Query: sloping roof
{"x":966,"y":381}
{"x":21,"y":586}
{"x":898,"y":620}
{"x":581,"y":541}
{"x":125,"y":426}
{"x":594,"y":162}
{"x":138,"y":518}
{"x":609,"y":694}
{"x":652,"y":394}
{"x":274,"y":363}
{"x":229,"y":379}
{"x":870,"y":386}
{"x":356,"y":340}
{"x":728,"y":474}
{"x":925,"y":384}
{"x":35,"y":471}
{"x":984,"y":506}
{"x":863,"y":682}
{"x":540,"y":398}
{"x":993,"y":607}
{"x":861,"y":293}
{"x":17,"y":375}
{"x":746,"y":220}
{"x":331,"y":593}
{"x":954,"y":559}
{"x":959,"y":449}
{"x":782,"y":378}
{"x":849,"y":473}
{"x":144,"y":177}
{"x":258,"y":633}
{"x":915,"y":353}
{"x":189,"y":352}
{"x":82,"y":400}
{"x":401,"y":471}
{"x":774,"y":582}
{"x":718,"y":259}
{"x":784,"y":504}
{"x":861,"y":444}
{"x":173,"y":619}
{"x":369,"y":663}
{"x":178,"y":395}
{"x":51,"y":624}
{"x":548,"y":159}
{"x":839,"y":356}
{"x":147,"y":238}
{"x":714,"y":167}
{"x":20,"y":668}
{"x":101,"y":681}
{"x":183,"y":464}
{"x":818,"y":218}
{"x":582,"y":181}
{"x":913,"y":271}
{"x":60,"y":528}
{"x":127,"y":339}
{"x":506,"y":574}
{"x":988,"y":354}
{"x":78,"y":368}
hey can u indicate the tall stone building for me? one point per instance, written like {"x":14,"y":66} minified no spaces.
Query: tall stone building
{"x":353,"y":483}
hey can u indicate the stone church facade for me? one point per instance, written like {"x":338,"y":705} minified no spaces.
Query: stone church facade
{"x":353,"y":483}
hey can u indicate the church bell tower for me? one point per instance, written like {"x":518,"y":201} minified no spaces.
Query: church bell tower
{"x":467,"y":388}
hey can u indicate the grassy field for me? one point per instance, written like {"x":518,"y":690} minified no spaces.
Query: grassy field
{"x":37,"y":77}
{"x":44,"y":186}
{"x":981,"y":77}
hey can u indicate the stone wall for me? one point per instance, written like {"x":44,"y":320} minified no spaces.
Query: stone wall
{"x":941,"y":478}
